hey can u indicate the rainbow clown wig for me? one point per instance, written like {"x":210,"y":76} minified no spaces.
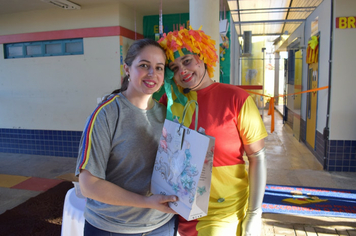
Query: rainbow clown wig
{"x":184,"y":41}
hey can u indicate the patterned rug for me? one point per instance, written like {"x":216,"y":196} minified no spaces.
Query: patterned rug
{"x":309,"y":201}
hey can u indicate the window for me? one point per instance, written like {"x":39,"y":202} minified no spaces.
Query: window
{"x":44,"y":48}
{"x":291,"y":66}
{"x":292,"y":49}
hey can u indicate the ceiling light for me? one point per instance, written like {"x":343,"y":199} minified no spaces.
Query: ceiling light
{"x":232,"y":5}
{"x":64,"y":4}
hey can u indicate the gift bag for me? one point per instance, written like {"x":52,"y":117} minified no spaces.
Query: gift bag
{"x":183,"y":167}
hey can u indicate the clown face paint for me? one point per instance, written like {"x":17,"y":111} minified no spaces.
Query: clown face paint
{"x":189,"y":72}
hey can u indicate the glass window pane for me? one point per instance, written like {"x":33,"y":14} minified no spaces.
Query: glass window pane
{"x":33,"y":50}
{"x":74,"y":47}
{"x":15,"y":51}
{"x":44,"y":48}
{"x":53,"y":48}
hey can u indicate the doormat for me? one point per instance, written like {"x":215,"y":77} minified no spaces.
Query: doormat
{"x":309,"y":201}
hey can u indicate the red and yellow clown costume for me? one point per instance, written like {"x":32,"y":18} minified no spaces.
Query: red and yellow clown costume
{"x":230,"y":115}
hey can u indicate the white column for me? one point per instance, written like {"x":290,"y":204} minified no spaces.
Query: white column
{"x":276,"y":77}
{"x":206,"y":13}
{"x":234,"y":56}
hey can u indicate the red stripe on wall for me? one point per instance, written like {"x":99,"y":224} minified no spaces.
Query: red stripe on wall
{"x":73,"y":33}
{"x":250,"y":87}
{"x":337,"y":22}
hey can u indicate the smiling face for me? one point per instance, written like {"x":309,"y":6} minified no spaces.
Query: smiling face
{"x":189,"y":70}
{"x":146,"y":71}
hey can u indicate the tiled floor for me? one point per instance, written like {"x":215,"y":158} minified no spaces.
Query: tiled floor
{"x":26,"y":176}
{"x":289,"y":163}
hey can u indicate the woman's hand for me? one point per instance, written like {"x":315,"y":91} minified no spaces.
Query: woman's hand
{"x":160,"y":202}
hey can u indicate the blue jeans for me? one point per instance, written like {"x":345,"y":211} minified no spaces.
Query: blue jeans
{"x":168,"y":229}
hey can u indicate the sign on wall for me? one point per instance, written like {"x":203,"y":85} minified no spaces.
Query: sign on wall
{"x":347,"y":22}
{"x":170,"y":22}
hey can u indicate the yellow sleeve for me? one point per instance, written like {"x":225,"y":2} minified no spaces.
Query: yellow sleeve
{"x":250,"y":124}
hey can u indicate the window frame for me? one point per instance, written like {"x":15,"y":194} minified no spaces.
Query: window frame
{"x":62,"y":42}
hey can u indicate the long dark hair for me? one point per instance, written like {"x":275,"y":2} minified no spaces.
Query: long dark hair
{"x":134,"y":50}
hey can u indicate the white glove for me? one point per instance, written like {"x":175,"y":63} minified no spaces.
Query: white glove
{"x":252,"y":223}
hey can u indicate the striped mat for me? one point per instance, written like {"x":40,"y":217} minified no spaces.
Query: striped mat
{"x":310,"y":201}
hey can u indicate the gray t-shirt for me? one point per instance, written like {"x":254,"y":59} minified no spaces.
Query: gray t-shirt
{"x":119,"y":144}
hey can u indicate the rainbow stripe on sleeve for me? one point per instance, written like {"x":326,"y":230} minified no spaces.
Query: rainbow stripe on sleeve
{"x":86,"y":145}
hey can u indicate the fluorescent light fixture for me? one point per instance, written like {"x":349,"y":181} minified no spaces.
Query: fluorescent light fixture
{"x":64,"y":4}
{"x":232,"y":5}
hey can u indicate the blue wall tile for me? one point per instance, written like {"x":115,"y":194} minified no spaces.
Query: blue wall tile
{"x":341,"y":156}
{"x":340,"y":143}
{"x":40,"y":142}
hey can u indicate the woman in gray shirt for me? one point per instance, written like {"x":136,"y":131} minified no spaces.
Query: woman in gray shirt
{"x":118,"y":149}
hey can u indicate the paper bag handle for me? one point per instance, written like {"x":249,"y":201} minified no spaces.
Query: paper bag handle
{"x":196,"y":113}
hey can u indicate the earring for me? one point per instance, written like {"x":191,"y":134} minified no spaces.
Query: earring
{"x":128,"y":79}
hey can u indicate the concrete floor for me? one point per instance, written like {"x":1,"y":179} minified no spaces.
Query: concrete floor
{"x":289,"y":163}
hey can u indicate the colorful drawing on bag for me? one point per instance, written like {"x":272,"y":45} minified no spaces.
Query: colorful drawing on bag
{"x":176,"y":168}
{"x":201,"y":190}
